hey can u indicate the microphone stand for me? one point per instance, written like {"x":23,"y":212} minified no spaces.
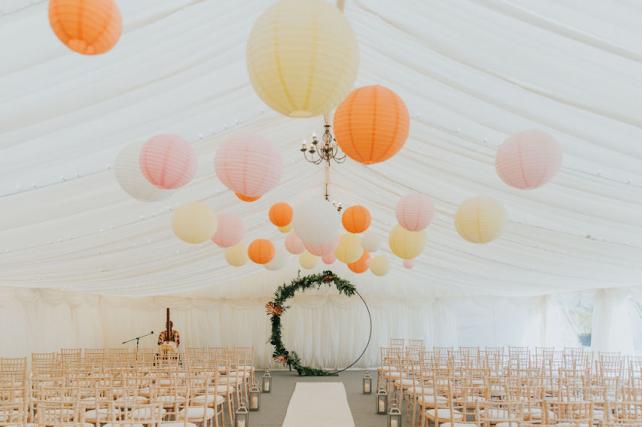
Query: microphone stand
{"x":138,"y":341}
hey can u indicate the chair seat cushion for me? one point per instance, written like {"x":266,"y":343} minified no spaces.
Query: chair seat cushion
{"x":508,"y":424}
{"x":443,"y":414}
{"x":211,"y":398}
{"x":458,"y":425}
{"x":196,"y":412}
{"x":119,"y":425}
{"x":146,"y":413}
{"x":431,"y":399}
{"x":176,"y":424}
{"x":102,"y":413}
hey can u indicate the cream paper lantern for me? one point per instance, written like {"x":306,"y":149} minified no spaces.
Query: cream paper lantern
{"x":379,"y":265}
{"x":302,"y":57}
{"x":349,"y":249}
{"x":316,"y":222}
{"x":307,"y":260}
{"x":406,"y":244}
{"x":370,"y":242}
{"x":132,"y":180}
{"x":480,"y":219}
{"x":236,"y":256}
{"x":194,"y":222}
{"x":279,"y":260}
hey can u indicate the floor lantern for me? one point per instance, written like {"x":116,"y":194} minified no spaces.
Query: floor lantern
{"x":255,"y":398}
{"x":367,"y":384}
{"x":382,"y":402}
{"x":267,"y":381}
{"x":394,"y":416}
{"x":242,"y":416}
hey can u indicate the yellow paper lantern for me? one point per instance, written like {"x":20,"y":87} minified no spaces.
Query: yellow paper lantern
{"x":285,"y":229}
{"x":406,"y":244}
{"x":302,"y":57}
{"x":349,"y":248}
{"x":480,"y":219}
{"x":236,"y":255}
{"x":307,"y":260}
{"x":379,"y":265}
{"x":194,"y":222}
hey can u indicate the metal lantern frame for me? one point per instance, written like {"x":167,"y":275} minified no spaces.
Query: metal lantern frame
{"x":366,"y":385}
{"x":254,"y":398}
{"x":242,"y":416}
{"x":266,"y":382}
{"x":382,"y":402}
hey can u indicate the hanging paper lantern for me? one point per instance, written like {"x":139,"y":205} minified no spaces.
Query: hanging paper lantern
{"x":236,"y":255}
{"x":260,"y":251}
{"x":408,"y":263}
{"x":279,"y":261}
{"x":360,"y":265}
{"x":89,"y":27}
{"x":356,"y":219}
{"x":286,"y":229}
{"x":194,"y":222}
{"x":328,"y":259}
{"x":131,"y":179}
{"x":349,"y":248}
{"x":379,"y":265}
{"x":323,"y":248}
{"x":296,"y":65}
{"x":415,"y":211}
{"x":167,"y":161}
{"x":480,"y":219}
{"x":406,"y":244}
{"x":280,"y":214}
{"x":245,"y":198}
{"x":307,"y":260}
{"x":294,"y":244}
{"x":370,"y":242}
{"x":248,"y":165}
{"x":371,"y":124}
{"x":229,"y":231}
{"x":316,"y":222}
{"x":528,"y":159}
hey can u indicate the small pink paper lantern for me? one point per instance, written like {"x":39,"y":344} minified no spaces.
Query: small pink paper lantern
{"x":230,"y":230}
{"x":294,"y":244}
{"x":415,"y":211}
{"x":167,"y":161}
{"x":323,"y":248}
{"x":329,"y":258}
{"x":408,"y":263}
{"x":528,"y":159}
{"x":248,"y":165}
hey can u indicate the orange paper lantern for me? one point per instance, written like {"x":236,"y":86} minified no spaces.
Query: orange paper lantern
{"x":280,"y":214}
{"x":356,"y":219}
{"x":247,"y":198}
{"x":371,"y":124}
{"x":89,"y":27}
{"x":261,"y":251}
{"x":360,"y":265}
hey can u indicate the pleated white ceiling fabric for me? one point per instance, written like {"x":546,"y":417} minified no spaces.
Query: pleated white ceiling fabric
{"x":471,"y":73}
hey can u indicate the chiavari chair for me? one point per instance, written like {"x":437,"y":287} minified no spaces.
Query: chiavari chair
{"x":397,"y":343}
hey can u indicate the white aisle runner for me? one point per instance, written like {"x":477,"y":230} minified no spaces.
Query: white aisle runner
{"x":319,"y":405}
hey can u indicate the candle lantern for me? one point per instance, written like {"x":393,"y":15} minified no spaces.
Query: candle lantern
{"x":394,"y":416}
{"x":382,"y":402}
{"x":267,"y":382}
{"x":367,"y":384}
{"x":255,"y":398}
{"x":242,"y":416}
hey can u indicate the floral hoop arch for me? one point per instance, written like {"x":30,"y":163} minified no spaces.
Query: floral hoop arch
{"x":276,"y":308}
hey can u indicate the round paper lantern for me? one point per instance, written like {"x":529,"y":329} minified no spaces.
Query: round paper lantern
{"x":247,"y":198}
{"x":415,"y":211}
{"x":349,"y":248}
{"x":229,"y":230}
{"x":131,"y":179}
{"x":356,"y":219}
{"x":528,"y":159}
{"x":371,"y":124}
{"x":89,"y":27}
{"x":323,"y":248}
{"x":261,"y":251}
{"x":408,"y":263}
{"x":286,"y":229}
{"x":316,"y":222}
{"x":480,"y":219}
{"x":379,"y":265}
{"x":297,"y":65}
{"x":248,"y":165}
{"x":328,"y":258}
{"x":370,"y":242}
{"x":360,"y":265}
{"x":236,"y":256}
{"x":406,"y":244}
{"x":279,"y":261}
{"x":294,"y":244}
{"x":167,"y":161}
{"x":307,"y":260}
{"x":280,"y":214}
{"x":194,"y":222}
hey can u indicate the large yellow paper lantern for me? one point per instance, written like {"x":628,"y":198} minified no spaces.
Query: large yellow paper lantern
{"x":480,"y":219}
{"x":194,"y":222}
{"x":302,"y":57}
{"x":379,"y":265}
{"x":349,"y":248}
{"x":236,"y":256}
{"x":307,"y":260}
{"x":406,"y":244}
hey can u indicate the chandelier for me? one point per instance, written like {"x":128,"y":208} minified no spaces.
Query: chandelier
{"x":325,"y":150}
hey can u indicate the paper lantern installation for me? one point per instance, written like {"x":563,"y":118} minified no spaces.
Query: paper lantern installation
{"x":229,"y":231}
{"x":379,"y":265}
{"x":371,"y":124}
{"x":131,"y":179}
{"x":322,"y":248}
{"x":328,"y":259}
{"x":194,"y":222}
{"x":307,"y":260}
{"x":349,"y":248}
{"x":167,"y":161}
{"x":316,"y":222}
{"x":370,"y":242}
{"x":302,"y":57}
{"x":280,"y":214}
{"x":408,"y":263}
{"x":286,"y":229}
{"x":360,"y":265}
{"x":89,"y":27}
{"x":356,"y":219}
{"x":279,"y":261}
{"x":480,"y":219}
{"x":236,"y":256}
{"x":528,"y":159}
{"x":406,"y":244}
{"x":248,"y":165}
{"x":261,"y":251}
{"x":415,"y":211}
{"x":294,"y":244}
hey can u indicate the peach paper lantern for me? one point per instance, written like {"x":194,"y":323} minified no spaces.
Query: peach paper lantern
{"x":236,"y":255}
{"x":307,"y":260}
{"x":356,"y":219}
{"x":168,"y":161}
{"x":408,"y":263}
{"x":528,"y":159}
{"x":480,"y":219}
{"x":406,"y":244}
{"x":229,"y":231}
{"x":415,"y":211}
{"x":249,"y":165}
{"x":360,"y":265}
{"x":194,"y":222}
{"x":89,"y":27}
{"x":261,"y":251}
{"x":280,"y":214}
{"x":294,"y":244}
{"x":322,"y":249}
{"x":245,"y":198}
{"x":328,"y":259}
{"x":349,"y":248}
{"x":371,"y":124}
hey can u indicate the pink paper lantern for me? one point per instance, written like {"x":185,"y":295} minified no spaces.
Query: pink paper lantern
{"x":329,"y":258}
{"x":415,"y":211}
{"x":230,"y":230}
{"x":167,"y":161}
{"x":528,"y":159}
{"x":323,"y":248}
{"x":294,"y":244}
{"x":408,"y":263}
{"x":248,"y":165}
